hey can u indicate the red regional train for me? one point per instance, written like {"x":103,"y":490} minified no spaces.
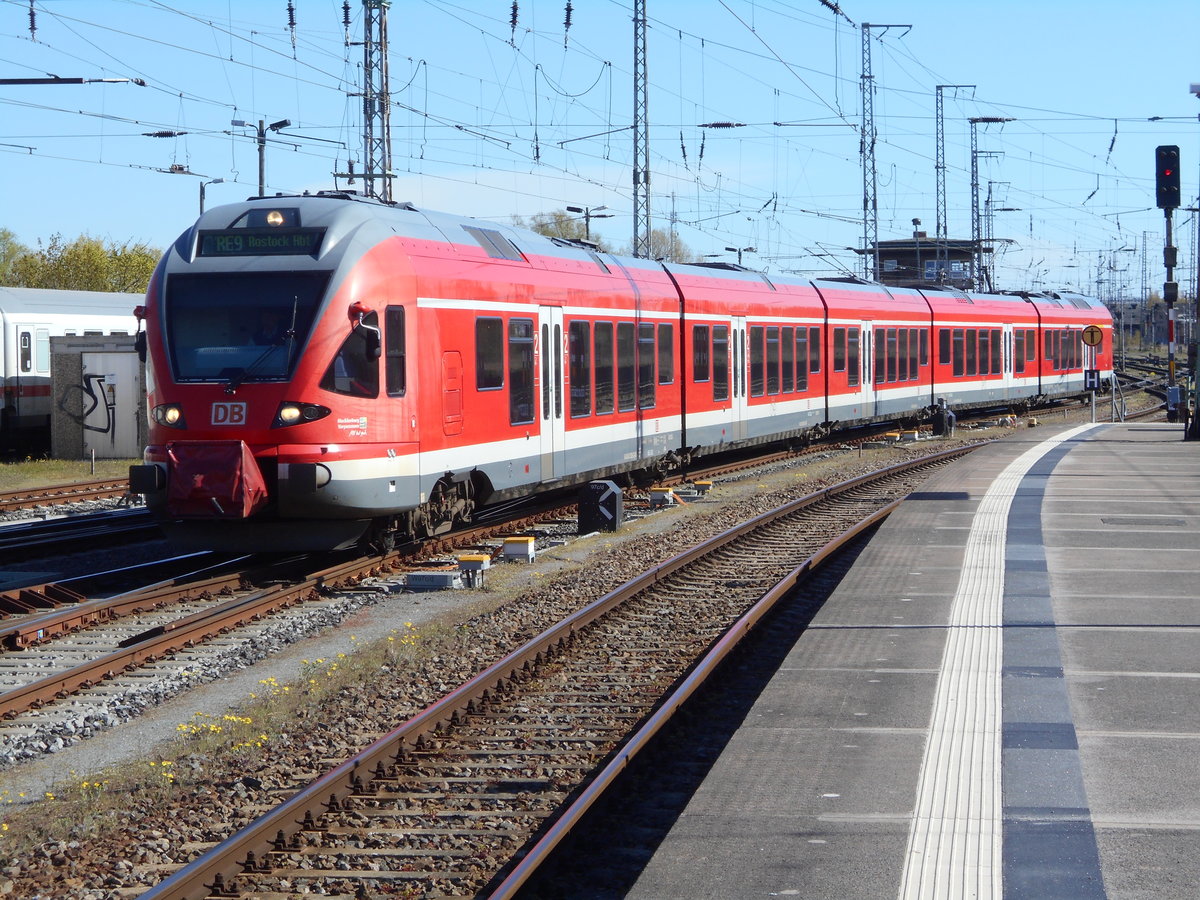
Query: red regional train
{"x":325,"y":369}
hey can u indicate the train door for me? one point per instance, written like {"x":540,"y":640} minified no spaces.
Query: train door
{"x":739,"y":408}
{"x":24,"y":379}
{"x":553,"y":433}
{"x":861,"y":346}
{"x":1007,"y":368}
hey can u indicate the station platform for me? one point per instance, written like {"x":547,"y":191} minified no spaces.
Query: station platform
{"x":1000,"y":700}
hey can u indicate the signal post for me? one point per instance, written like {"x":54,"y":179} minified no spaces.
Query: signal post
{"x":1166,"y":189}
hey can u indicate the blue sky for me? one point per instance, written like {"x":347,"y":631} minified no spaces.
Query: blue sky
{"x":492,"y":120}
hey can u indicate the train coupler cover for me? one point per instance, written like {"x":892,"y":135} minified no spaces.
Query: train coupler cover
{"x":213,"y":479}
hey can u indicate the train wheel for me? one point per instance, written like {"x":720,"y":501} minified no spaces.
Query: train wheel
{"x":380,"y":538}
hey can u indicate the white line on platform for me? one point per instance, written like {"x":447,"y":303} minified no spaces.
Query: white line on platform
{"x":954,"y":841}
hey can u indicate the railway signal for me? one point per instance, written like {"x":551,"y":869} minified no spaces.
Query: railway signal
{"x":1166,"y":176}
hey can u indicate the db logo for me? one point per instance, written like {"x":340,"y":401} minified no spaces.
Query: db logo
{"x":229,"y":414}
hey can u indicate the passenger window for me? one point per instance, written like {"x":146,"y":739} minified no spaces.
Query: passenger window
{"x":546,"y":352}
{"x":394,"y":352}
{"x":839,"y":349}
{"x":666,"y":354}
{"x":880,"y":355}
{"x":489,"y":354}
{"x":521,"y":399}
{"x":626,"y":358}
{"x":720,"y":360}
{"x":788,"y":347}
{"x":604,"y":367}
{"x":852,"y":358}
{"x":814,"y":349}
{"x":579,"y":341}
{"x":700,"y":356}
{"x":41,"y":347}
{"x":756,"y":360}
{"x":645,"y":365}
{"x":802,"y":359}
{"x":773,"y":360}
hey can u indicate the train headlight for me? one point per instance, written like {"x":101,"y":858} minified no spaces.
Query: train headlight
{"x":292,"y":413}
{"x":169,"y":414}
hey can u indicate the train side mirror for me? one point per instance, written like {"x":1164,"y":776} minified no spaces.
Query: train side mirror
{"x":372,"y":337}
{"x":139,"y":342}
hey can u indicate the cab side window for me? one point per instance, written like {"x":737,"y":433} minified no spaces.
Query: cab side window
{"x":355,"y":369}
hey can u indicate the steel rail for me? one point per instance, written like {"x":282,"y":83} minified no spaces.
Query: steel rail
{"x":569,"y":817}
{"x":158,"y":642}
{"x":207,"y":875}
{"x":70,"y":610}
{"x":63,"y":493}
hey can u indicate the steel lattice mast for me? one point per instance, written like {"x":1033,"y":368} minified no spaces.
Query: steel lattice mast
{"x":866,"y":149}
{"x":976,"y":224}
{"x":377,"y":102}
{"x":641,"y":135}
{"x":943,"y":256}
{"x":867,"y":152}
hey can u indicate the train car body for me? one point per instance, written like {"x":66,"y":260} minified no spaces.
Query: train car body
{"x":29,"y":317}
{"x":324,"y":369}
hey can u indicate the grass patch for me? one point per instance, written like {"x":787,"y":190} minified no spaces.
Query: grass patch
{"x":210,"y":748}
{"x":36,"y":473}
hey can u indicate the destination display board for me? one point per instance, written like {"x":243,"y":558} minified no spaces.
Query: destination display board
{"x":261,"y":242}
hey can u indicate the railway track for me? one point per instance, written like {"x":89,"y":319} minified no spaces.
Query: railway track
{"x":57,"y":495}
{"x":65,"y":535}
{"x":468,"y":797}
{"x":201,"y":616}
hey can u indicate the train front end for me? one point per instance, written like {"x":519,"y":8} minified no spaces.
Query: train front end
{"x":263,"y":336}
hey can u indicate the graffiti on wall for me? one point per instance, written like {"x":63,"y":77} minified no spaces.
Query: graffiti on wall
{"x":79,"y":401}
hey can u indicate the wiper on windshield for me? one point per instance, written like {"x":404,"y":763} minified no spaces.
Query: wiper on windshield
{"x":286,"y":338}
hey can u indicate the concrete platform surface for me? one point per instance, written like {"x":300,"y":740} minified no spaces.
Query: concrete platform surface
{"x":1001,"y":699}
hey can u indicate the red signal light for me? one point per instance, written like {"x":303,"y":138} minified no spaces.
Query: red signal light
{"x":1166,"y":176}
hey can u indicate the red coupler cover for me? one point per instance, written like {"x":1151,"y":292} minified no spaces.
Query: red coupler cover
{"x":213,"y":479}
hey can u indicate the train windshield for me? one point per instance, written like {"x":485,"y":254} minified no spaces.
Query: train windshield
{"x":238,"y":327}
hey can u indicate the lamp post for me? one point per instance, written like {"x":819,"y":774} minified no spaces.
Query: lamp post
{"x":204,"y":184}
{"x":589,"y":213}
{"x":262,"y":146}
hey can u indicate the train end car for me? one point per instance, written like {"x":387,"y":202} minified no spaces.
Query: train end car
{"x":29,"y":317}
{"x":329,"y":370}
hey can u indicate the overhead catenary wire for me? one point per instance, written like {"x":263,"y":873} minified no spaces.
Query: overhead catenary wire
{"x":439,"y":111}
